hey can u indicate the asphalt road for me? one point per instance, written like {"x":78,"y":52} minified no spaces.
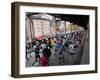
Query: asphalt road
{"x":81,"y":56}
{"x":85,"y":56}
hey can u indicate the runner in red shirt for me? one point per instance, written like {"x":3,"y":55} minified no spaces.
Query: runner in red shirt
{"x":44,"y":60}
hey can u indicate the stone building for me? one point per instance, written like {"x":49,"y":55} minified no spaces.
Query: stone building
{"x":42,"y":24}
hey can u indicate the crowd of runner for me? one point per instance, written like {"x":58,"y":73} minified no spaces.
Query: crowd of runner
{"x":54,"y":45}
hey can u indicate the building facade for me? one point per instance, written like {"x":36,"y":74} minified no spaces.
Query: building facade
{"x":38,"y":25}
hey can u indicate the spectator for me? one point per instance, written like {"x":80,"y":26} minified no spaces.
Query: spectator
{"x":37,"y":56}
